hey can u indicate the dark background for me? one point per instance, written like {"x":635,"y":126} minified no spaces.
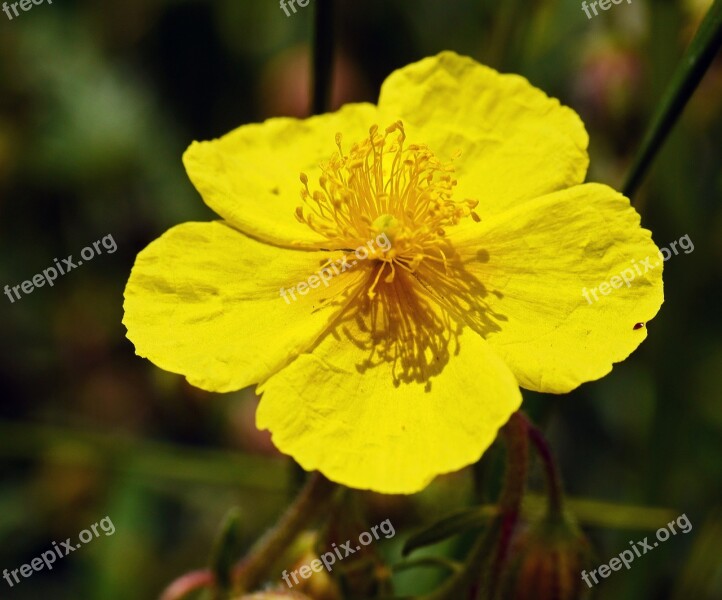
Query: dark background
{"x":98,"y":100}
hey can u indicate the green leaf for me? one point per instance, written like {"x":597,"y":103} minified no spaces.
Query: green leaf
{"x":428,"y":561}
{"x":227,"y":549}
{"x":685,"y":80}
{"x":460,"y":522}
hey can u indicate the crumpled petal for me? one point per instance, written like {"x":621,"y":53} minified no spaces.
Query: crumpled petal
{"x":385,"y":425}
{"x":250,"y":176}
{"x":530,"y":267}
{"x":204,"y":300}
{"x":516,"y":142}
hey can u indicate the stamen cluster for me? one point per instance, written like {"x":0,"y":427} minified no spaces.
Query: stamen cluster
{"x":385,"y":186}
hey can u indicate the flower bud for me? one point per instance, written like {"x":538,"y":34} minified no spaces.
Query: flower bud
{"x":320,"y":584}
{"x":546,"y":562}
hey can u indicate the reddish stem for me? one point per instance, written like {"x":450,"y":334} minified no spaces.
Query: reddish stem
{"x":555,"y":489}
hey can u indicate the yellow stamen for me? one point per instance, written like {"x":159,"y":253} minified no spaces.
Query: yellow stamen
{"x":384,"y":187}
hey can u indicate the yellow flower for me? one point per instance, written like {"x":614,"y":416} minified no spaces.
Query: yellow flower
{"x":385,"y":373}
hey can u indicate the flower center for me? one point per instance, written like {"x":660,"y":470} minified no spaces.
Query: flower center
{"x":384,"y":187}
{"x":386,"y":225}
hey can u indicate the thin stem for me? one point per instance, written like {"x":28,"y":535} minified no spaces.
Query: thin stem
{"x":323,"y":50}
{"x":188,"y":583}
{"x":460,"y":585}
{"x":309,"y":503}
{"x":689,"y":73}
{"x":479,"y":576}
{"x":517,"y":462}
{"x":516,"y":434}
{"x":510,"y":33}
{"x":555,"y":490}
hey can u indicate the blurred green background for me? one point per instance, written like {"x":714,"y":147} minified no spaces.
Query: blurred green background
{"x":98,"y":100}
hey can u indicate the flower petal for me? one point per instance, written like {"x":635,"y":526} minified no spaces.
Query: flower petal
{"x":533,"y":265}
{"x":516,"y":142}
{"x":362,"y":423}
{"x":205,"y":301}
{"x":250,"y":176}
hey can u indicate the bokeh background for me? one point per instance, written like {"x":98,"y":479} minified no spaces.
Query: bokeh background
{"x":98,"y":100}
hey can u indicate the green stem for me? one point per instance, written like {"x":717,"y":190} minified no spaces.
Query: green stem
{"x":323,"y":51}
{"x":309,"y":503}
{"x":695,"y":63}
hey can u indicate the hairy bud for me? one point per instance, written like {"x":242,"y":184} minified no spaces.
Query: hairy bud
{"x":546,"y":562}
